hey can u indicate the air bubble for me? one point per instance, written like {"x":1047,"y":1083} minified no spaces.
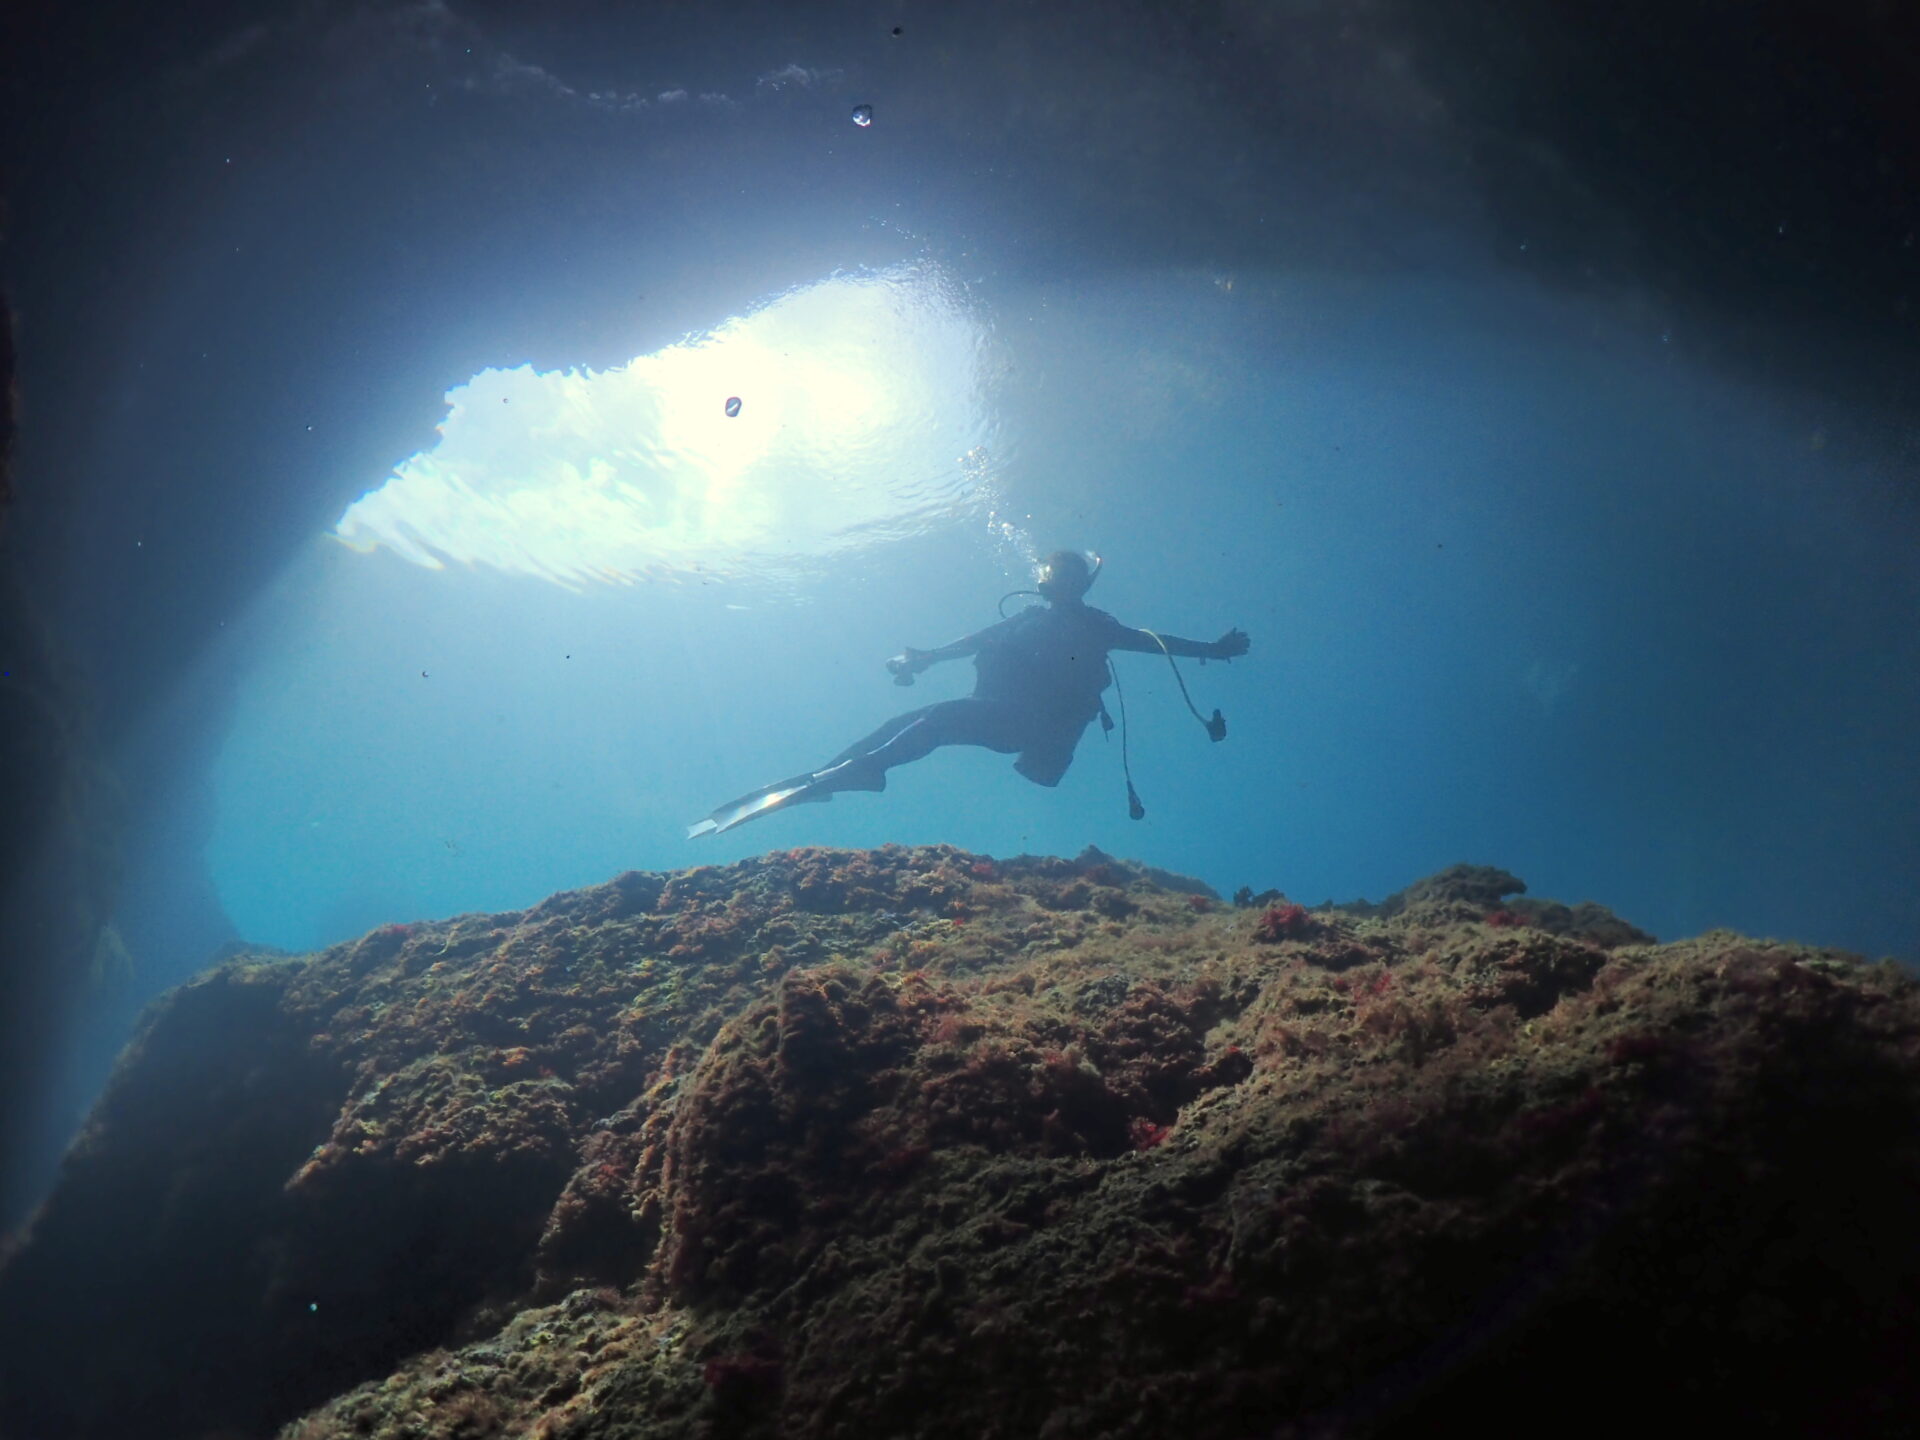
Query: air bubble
{"x":863,"y":115}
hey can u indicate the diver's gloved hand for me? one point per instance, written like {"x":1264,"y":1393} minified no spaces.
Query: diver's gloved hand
{"x":1233,"y":643}
{"x":907,"y":664}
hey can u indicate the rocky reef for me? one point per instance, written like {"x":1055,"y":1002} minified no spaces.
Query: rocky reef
{"x":919,"y":1143}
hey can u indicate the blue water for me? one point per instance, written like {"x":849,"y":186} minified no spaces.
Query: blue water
{"x":1526,"y":587}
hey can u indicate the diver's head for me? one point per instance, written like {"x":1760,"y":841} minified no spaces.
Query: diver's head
{"x":1065,"y":575}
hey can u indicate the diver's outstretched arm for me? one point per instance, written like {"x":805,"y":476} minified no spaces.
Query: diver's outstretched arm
{"x":910,"y":662}
{"x":1149,"y":642}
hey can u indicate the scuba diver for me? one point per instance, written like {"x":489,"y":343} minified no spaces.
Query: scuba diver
{"x":1039,"y":679}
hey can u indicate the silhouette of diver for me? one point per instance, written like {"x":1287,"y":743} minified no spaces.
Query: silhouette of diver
{"x":1039,"y":679}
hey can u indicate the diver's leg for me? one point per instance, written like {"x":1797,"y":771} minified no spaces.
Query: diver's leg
{"x":918,"y":734}
{"x":864,"y":764}
{"x":954,"y":722}
{"x":804,"y":787}
{"x":878,"y":738}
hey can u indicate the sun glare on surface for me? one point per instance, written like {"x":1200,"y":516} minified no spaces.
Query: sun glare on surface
{"x":840,"y":413}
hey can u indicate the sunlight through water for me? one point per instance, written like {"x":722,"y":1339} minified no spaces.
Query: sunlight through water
{"x":840,"y":413}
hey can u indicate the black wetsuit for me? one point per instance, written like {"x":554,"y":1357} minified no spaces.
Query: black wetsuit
{"x":1038,"y":680}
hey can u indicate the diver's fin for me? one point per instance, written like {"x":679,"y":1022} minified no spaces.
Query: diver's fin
{"x":801,"y":790}
{"x":811,"y":789}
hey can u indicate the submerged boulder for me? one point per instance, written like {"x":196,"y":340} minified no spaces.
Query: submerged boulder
{"x":913,"y":1142}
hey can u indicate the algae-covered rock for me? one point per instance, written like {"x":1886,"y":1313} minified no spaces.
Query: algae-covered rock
{"x":913,"y":1142}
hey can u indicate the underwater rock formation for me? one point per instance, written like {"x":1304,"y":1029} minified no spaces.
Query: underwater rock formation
{"x":913,"y":1142}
